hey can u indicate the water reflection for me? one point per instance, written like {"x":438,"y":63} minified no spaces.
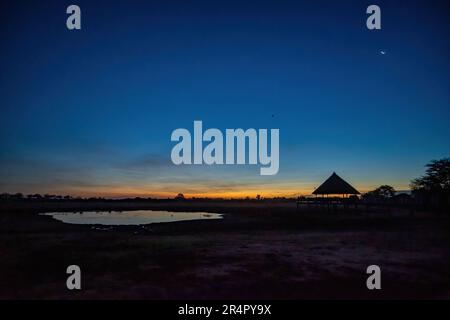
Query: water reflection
{"x":136,"y":217}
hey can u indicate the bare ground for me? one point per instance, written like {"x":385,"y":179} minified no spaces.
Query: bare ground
{"x":262,"y":251}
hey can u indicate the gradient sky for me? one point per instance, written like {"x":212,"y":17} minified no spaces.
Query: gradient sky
{"x":91,"y":112}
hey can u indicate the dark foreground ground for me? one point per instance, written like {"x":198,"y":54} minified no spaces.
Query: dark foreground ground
{"x":261,"y":250}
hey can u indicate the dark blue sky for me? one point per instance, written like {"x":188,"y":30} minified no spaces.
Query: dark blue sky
{"x":91,"y":111}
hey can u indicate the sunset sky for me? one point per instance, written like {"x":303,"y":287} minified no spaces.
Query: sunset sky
{"x":90,"y":112}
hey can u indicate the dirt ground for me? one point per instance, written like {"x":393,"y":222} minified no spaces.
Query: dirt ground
{"x":258,"y":251}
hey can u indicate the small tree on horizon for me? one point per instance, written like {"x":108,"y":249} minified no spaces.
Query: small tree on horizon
{"x":382,"y":192}
{"x":385,"y":191}
{"x":180,"y":196}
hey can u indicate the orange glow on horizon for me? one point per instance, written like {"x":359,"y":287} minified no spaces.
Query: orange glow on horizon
{"x":192,"y":191}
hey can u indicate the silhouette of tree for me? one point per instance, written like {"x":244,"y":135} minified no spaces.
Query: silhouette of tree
{"x":384,"y":192}
{"x":180,"y":196}
{"x":436,"y":178}
{"x":433,"y":189}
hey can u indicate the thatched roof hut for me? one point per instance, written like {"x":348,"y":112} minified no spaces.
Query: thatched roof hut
{"x":335,"y":185}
